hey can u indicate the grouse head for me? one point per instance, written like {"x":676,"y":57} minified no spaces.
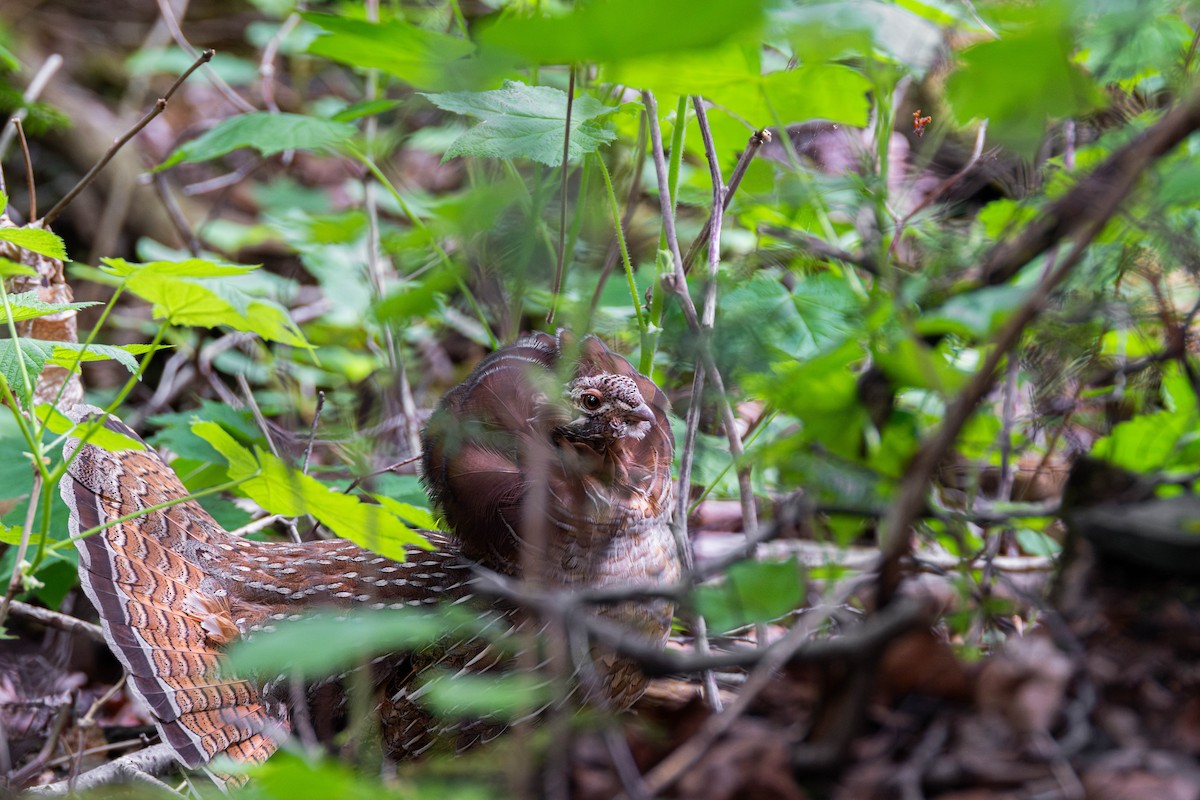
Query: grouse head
{"x":610,"y":407}
{"x":598,"y":427}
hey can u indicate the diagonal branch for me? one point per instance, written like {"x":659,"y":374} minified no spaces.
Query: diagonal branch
{"x":159,"y":106}
{"x":1082,"y":212}
{"x":757,"y":140}
{"x":1094,"y":197}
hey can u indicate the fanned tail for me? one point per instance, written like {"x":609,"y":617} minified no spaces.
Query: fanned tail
{"x":161,"y":612}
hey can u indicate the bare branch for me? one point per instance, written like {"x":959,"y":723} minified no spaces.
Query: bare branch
{"x":822,"y":249}
{"x":864,"y":643}
{"x":159,"y":106}
{"x":556,"y":288}
{"x":266,"y":65}
{"x":28,"y":167}
{"x":151,"y":761}
{"x":1094,"y":197}
{"x":757,"y":140}
{"x":54,"y":619}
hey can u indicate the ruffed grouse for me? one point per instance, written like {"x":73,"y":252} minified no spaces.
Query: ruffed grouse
{"x":173,"y":589}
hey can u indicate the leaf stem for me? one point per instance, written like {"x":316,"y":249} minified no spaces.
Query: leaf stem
{"x":556,"y":288}
{"x":224,"y":487}
{"x":16,"y":339}
{"x":620,"y":233}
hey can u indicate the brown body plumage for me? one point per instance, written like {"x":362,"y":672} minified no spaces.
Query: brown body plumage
{"x":173,"y":589}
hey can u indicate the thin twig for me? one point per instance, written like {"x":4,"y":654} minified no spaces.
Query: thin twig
{"x":796,"y":646}
{"x":312,"y":431}
{"x":223,"y":88}
{"x":1008,"y":475}
{"x":288,"y":522}
{"x":624,"y":764}
{"x":254,"y":526}
{"x":19,"y":777}
{"x":708,"y":317}
{"x":556,"y":289}
{"x":54,"y":619}
{"x":757,"y":140}
{"x":32,"y":92}
{"x":222,"y":182}
{"x":88,"y":721}
{"x":14,"y":583}
{"x":820,"y":248}
{"x":244,"y":385}
{"x":28,"y":167}
{"x":159,"y":106}
{"x":175,"y":214}
{"x":91,"y":751}
{"x":266,"y":65}
{"x":98,"y":749}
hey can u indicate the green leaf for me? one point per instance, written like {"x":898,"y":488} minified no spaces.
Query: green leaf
{"x":11,"y":534}
{"x":11,"y":357}
{"x":415,"y":516}
{"x":280,"y":489}
{"x":762,"y":320}
{"x":823,"y":393}
{"x":732,"y":78}
{"x":265,"y":132}
{"x":753,"y":591}
{"x":911,"y":363}
{"x":198,"y":292}
{"x":291,"y":774}
{"x":416,"y":298}
{"x":1036,"y":543}
{"x":175,"y":430}
{"x":522,"y":121}
{"x":242,"y":463}
{"x":1019,"y":83}
{"x":95,"y":430}
{"x":1153,"y":442}
{"x":35,"y":240}
{"x":367,"y":108}
{"x":418,"y":56}
{"x":8,"y":268}
{"x":65,"y":354}
{"x":504,"y":697}
{"x":622,"y":29}
{"x":849,"y":28}
{"x":346,"y":640}
{"x":1132,"y":43}
{"x":37,"y":353}
{"x":976,"y":314}
{"x":27,"y":305}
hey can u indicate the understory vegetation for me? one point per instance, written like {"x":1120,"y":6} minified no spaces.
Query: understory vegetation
{"x":918,"y":277}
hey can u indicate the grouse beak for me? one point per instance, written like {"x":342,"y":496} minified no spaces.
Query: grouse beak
{"x":642,"y":413}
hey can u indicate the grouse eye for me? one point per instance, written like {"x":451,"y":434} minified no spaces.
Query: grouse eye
{"x":591,"y":401}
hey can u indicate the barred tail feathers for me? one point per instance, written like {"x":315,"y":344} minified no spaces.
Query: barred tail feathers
{"x":160,"y":611}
